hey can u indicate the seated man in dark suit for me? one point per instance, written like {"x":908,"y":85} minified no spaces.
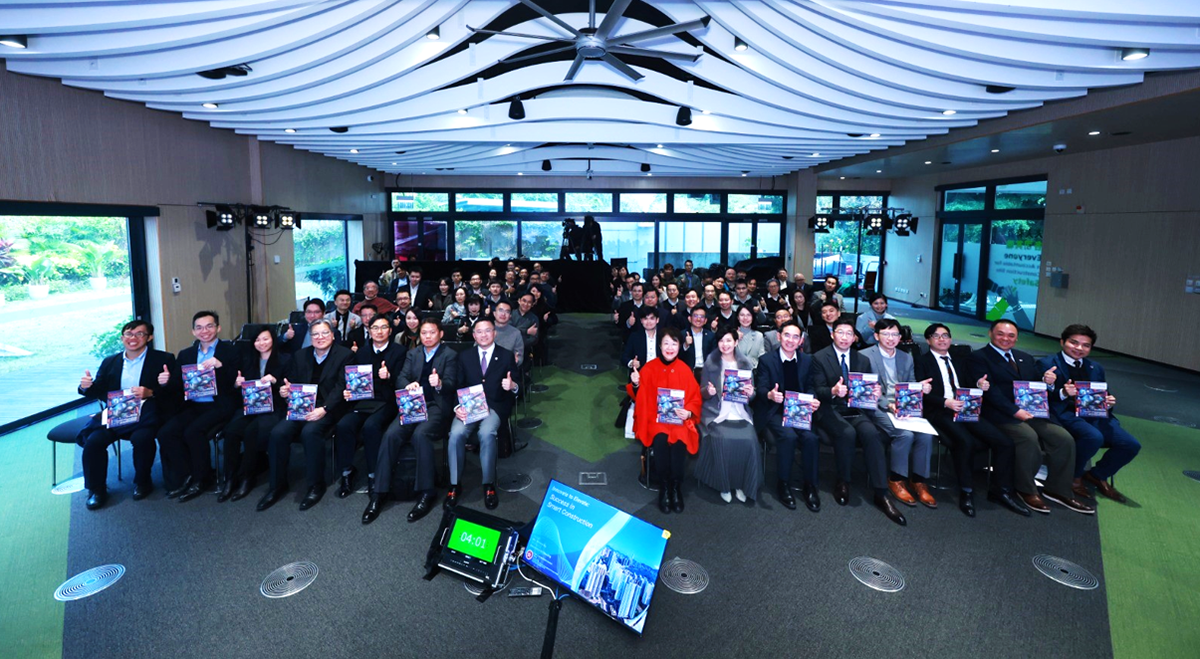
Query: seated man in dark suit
{"x":673,"y":304}
{"x":642,"y":346}
{"x":939,"y":407}
{"x":491,"y":366}
{"x":650,"y":299}
{"x":361,"y":336}
{"x":1090,"y":433}
{"x":430,"y":369}
{"x":1003,"y":366}
{"x":844,"y":424}
{"x":698,"y":341}
{"x":153,"y":377}
{"x":296,"y":335}
{"x":820,"y":335}
{"x":419,"y":292}
{"x":781,"y":370}
{"x":626,"y":315}
{"x":771,"y":338}
{"x":184,"y":439}
{"x":323,"y":364}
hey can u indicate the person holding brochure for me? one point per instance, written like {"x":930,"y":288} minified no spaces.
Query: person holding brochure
{"x":729,"y":457}
{"x":322,"y":364}
{"x":368,"y":419}
{"x":430,"y":369}
{"x":847,"y":425}
{"x":670,"y":438}
{"x":895,"y":367}
{"x":780,"y":372}
{"x":247,"y":435}
{"x":1091,"y":433}
{"x":941,"y":405}
{"x":491,"y":366}
{"x":1031,"y":436}
{"x":184,"y":438}
{"x":152,"y":377}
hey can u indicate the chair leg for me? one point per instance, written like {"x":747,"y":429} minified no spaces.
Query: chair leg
{"x":53,"y":464}
{"x":117,"y":444}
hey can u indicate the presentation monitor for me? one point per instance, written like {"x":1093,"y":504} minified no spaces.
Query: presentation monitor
{"x":605,"y":556}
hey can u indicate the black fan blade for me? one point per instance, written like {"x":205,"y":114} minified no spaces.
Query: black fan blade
{"x":646,"y":52}
{"x":574,"y":67}
{"x":557,"y":21}
{"x":623,"y":67}
{"x":657,"y":32}
{"x":552,"y":51}
{"x":478,"y":30}
{"x":611,"y":17}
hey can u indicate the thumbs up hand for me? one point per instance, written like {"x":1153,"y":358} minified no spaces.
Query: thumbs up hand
{"x":635,"y":377}
{"x":434,"y":380}
{"x":712,"y":391}
{"x":165,"y":376}
{"x":384,"y":373}
{"x":926,"y":387}
{"x":239,"y":380}
{"x":507,"y":383}
{"x":1070,"y":388}
{"x":86,"y":381}
{"x":1049,"y":376}
{"x":635,"y":364}
{"x":983,"y":383}
{"x":283,"y":391}
{"x":775,"y":394}
{"x":840,"y":389}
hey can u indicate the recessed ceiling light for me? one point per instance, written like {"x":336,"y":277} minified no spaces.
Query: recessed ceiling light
{"x":520,"y":173}
{"x":706,"y":112}
{"x":210,"y":106}
{"x":995,"y":150}
{"x":1094,"y":133}
{"x":739,"y":45}
{"x":744,"y":173}
{"x":649,"y":173}
{"x":949,"y":112}
{"x":1133,"y":54}
{"x":393,"y":164}
{"x":874,"y":134}
{"x":816,"y":155}
{"x":842,"y":178}
{"x":660,"y":146}
{"x":353,"y":150}
{"x":289,"y":130}
{"x":462,"y":110}
{"x":928,"y":162}
{"x":435,"y":33}
{"x":879,"y":171}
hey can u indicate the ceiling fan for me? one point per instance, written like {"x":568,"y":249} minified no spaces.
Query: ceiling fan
{"x":594,"y":43}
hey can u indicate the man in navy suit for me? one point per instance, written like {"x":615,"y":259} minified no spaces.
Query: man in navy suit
{"x":1003,"y":366}
{"x":779,"y":371}
{"x":420,"y":292}
{"x":1090,"y":433}
{"x":698,"y":340}
{"x":296,"y":337}
{"x":491,"y":366}
{"x":641,"y":347}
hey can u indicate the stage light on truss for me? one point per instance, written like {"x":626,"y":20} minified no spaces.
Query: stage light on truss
{"x":287,"y":220}
{"x":819,"y":223}
{"x":262,"y":218}
{"x":221,"y":218}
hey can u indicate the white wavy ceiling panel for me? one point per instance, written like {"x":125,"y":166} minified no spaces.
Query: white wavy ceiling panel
{"x":816,"y":81}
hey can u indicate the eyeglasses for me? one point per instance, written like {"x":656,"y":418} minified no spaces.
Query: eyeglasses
{"x":940,"y":335}
{"x":889,"y":334}
{"x":322,"y":335}
{"x":209,"y":326}
{"x":380,"y":328}
{"x":844,"y":333}
{"x":134,"y":335}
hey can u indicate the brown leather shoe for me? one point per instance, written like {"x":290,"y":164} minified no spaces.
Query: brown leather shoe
{"x":1035,"y":503}
{"x":901,"y":493}
{"x":1104,"y":488}
{"x":1080,"y":490}
{"x":924,"y":496}
{"x":1070,"y":502}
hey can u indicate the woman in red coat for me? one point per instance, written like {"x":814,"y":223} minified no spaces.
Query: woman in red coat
{"x":667,"y":420}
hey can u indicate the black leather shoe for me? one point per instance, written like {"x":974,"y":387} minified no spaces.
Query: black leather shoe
{"x":243,"y":489}
{"x":97,"y":500}
{"x":812,"y":500}
{"x":271,"y":498}
{"x":142,"y":491}
{"x":1011,"y":501}
{"x":345,"y":484}
{"x":664,"y":498}
{"x":226,"y":492}
{"x":490,"y":498}
{"x":374,"y":507}
{"x":784,"y":494}
{"x":313,"y":497}
{"x":424,"y":505}
{"x":197,"y":488}
{"x":841,"y":493}
{"x":966,"y":503}
{"x":885,"y":504}
{"x":677,"y":500}
{"x":451,"y":499}
{"x":187,"y":484}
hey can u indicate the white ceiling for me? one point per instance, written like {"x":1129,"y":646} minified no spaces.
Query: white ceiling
{"x":819,"y":77}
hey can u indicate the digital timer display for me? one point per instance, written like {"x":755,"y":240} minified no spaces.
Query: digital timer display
{"x":474,"y":540}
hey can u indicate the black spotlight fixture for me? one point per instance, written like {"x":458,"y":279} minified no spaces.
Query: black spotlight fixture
{"x":221,"y":218}
{"x":516,"y":110}
{"x":876,"y":224}
{"x":546,"y":165}
{"x":14,"y":41}
{"x":434,"y":34}
{"x":287,"y":220}
{"x":739,"y":45}
{"x":645,"y":167}
{"x":684,"y":116}
{"x":262,"y":218}
{"x":904,"y":224}
{"x":819,"y":223}
{"x":339,"y":129}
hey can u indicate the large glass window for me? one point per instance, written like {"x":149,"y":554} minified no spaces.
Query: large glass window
{"x":770,"y":238}
{"x":825,"y":203}
{"x":966,"y":199}
{"x":65,"y":290}
{"x":643,"y":202}
{"x":320,"y":258}
{"x":541,"y":240}
{"x":431,"y":202}
{"x":680,"y":241}
{"x":755,"y":204}
{"x":847,"y":251}
{"x":483,"y":239}
{"x":479,"y":202}
{"x":1031,"y":194}
{"x":589,"y":202}
{"x":697,"y":203}
{"x":741,"y":241}
{"x":534,"y":202}
{"x":1014,"y":260}
{"x":630,"y":240}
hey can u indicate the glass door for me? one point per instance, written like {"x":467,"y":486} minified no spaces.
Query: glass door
{"x":958,"y":268}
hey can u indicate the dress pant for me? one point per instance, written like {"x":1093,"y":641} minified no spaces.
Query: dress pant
{"x":95,"y":440}
{"x":670,"y":459}
{"x":246,"y":438}
{"x":422,"y":435}
{"x":184,"y":442}
{"x":786,"y":440}
{"x":964,"y":439}
{"x":367,"y":426}
{"x":907,"y":447}
{"x":312,"y":434}
{"x":846,"y":431}
{"x":1030,"y":439}
{"x":1093,"y":434}
{"x":457,"y":448}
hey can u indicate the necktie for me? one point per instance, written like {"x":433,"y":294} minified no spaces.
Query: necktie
{"x":950,"y":371}
{"x":1013,"y":364}
{"x":483,"y":364}
{"x":845,"y":371}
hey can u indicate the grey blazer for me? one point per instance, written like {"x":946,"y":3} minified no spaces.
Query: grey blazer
{"x":714,"y":372}
{"x":751,"y":345}
{"x":904,"y":372}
